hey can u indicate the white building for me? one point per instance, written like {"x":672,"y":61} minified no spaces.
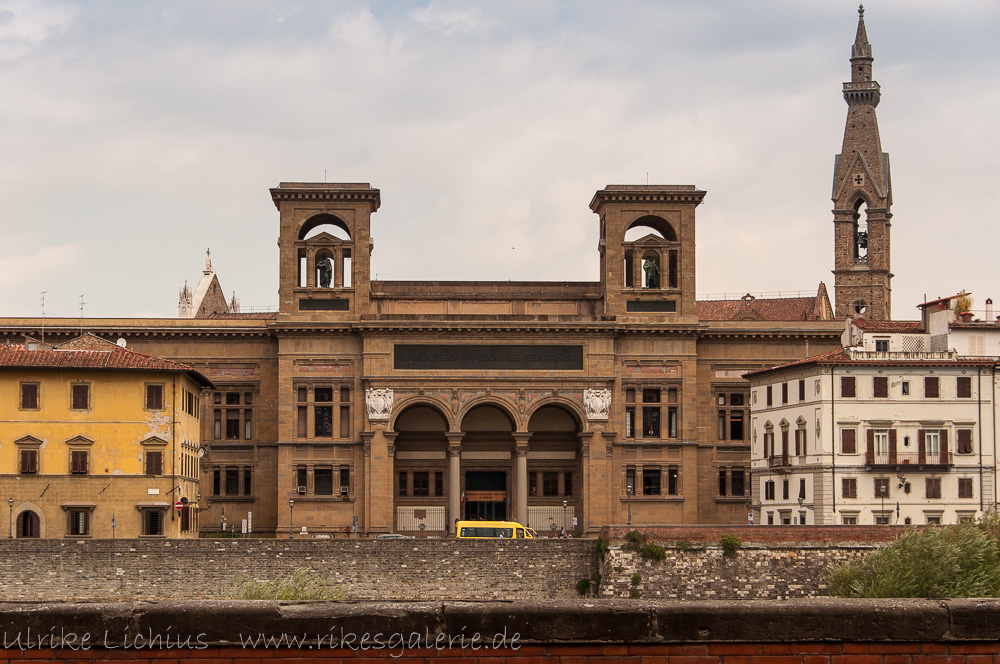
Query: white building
{"x":885,"y":431}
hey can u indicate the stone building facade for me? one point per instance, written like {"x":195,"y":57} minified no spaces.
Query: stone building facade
{"x":405,"y":405}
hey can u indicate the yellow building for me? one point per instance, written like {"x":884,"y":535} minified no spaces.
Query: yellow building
{"x":98,"y":441}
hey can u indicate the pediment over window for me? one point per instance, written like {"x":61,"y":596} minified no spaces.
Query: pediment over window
{"x":153,"y":440}
{"x":28,"y":440}
{"x":79,"y":440}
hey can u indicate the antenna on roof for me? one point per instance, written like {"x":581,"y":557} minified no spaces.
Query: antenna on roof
{"x":81,"y":314}
{"x":43,"y":315}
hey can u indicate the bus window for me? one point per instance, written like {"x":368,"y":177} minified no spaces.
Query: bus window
{"x":507,"y":532}
{"x":520,"y":532}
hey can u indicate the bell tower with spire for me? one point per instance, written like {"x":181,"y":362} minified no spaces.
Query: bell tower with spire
{"x":862,"y":197}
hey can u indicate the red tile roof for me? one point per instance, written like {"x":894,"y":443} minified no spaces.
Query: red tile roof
{"x":889,"y":326}
{"x":110,"y":358}
{"x":777,"y":309}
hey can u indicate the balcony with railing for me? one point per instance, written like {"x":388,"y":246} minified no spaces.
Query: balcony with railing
{"x":778,"y":461}
{"x":916,"y":458}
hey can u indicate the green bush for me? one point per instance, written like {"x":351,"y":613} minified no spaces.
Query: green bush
{"x":936,"y":562}
{"x":302,"y":584}
{"x":583,"y":586}
{"x":636,"y":579}
{"x":619,"y":569}
{"x":633,"y":540}
{"x":634,"y":593}
{"x":683,"y":545}
{"x":601,"y":548}
{"x":730,"y":545}
{"x":653,"y":552}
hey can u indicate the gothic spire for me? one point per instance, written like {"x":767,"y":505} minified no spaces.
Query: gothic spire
{"x":861,"y":48}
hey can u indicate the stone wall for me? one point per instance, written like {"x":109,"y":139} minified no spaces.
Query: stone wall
{"x":119,"y":570}
{"x":517,"y":632}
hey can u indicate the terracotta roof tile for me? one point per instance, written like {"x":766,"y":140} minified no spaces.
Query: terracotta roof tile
{"x":776,"y":309}
{"x":112,"y":357}
{"x":889,"y":326}
{"x":841,"y":356}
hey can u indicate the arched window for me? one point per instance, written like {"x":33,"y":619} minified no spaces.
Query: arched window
{"x":861,"y":231}
{"x":28,"y":525}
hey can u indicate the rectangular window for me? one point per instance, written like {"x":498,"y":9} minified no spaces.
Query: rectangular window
{"x":345,"y":422}
{"x":152,"y":522}
{"x":770,"y":396}
{"x":932,"y":444}
{"x":345,"y":481}
{"x":78,"y":462}
{"x":232,"y":481}
{"x":847,"y":388}
{"x":881,"y":345}
{"x":931,"y":386}
{"x":784,"y":490}
{"x":421,"y":483}
{"x":881,"y":438}
{"x":248,"y":424}
{"x":651,"y":421}
{"x":650,"y":481}
{"x":323,"y":482}
{"x":80,"y":397}
{"x":880,"y":387}
{"x":568,"y":483}
{"x":933,"y":489}
{"x":769,"y":490}
{"x":154,"y":462}
{"x":217,"y":427}
{"x":722,"y":481}
{"x":532,"y":483}
{"x":737,"y":484}
{"x":965,"y":487}
{"x":232,"y":425}
{"x":248,"y":481}
{"x":630,"y":422}
{"x":904,"y":388}
{"x":438,"y":483}
{"x":848,"y":441}
{"x":802,"y":492}
{"x":964,"y":387}
{"x":550,"y":483}
{"x":784,"y":393}
{"x":881,"y":487}
{"x":217,"y":482}
{"x":802,"y":390}
{"x":323,"y":425}
{"x":302,"y":424}
{"x":29,"y":462}
{"x":630,"y":481}
{"x":672,"y":421}
{"x":79,"y":522}
{"x":29,"y":396}
{"x":301,"y":481}
{"x":673,"y":480}
{"x":965,"y":441}
{"x":849,"y":487}
{"x":154,"y":397}
{"x":849,"y":520}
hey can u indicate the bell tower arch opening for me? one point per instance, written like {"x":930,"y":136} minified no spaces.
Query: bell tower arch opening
{"x":325,"y":248}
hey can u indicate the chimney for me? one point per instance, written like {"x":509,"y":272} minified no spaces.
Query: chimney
{"x":989,"y":308}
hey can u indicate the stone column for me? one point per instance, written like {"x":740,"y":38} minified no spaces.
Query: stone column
{"x":595,"y":463}
{"x":521,"y":476}
{"x":379,"y":458}
{"x":454,"y":478}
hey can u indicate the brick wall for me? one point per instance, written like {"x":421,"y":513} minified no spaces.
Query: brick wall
{"x":365,"y":569}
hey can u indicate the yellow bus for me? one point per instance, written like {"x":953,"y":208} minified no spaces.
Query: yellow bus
{"x":492,"y":530}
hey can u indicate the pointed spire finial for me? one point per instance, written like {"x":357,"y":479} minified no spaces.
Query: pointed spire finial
{"x":208,"y":261}
{"x":861,"y":10}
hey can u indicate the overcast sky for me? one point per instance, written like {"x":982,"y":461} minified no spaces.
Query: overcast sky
{"x":134,"y":135}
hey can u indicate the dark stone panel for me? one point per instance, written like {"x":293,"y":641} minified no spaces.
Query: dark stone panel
{"x":324,"y":305}
{"x":651,"y":306}
{"x":486,"y":357}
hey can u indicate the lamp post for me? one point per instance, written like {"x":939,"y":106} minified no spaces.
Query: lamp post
{"x":881,"y":491}
{"x":565,"y":505}
{"x":291,"y":507}
{"x":113,"y":524}
{"x":629,"y":488}
{"x":10,"y":519}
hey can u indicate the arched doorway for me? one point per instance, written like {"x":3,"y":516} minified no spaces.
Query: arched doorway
{"x":420,"y":471}
{"x":555,"y":471}
{"x":28,"y":525}
{"x":487,"y":456}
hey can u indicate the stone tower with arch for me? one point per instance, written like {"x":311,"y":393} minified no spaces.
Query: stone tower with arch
{"x":325,"y":248}
{"x":647,"y":247}
{"x":862,"y":197}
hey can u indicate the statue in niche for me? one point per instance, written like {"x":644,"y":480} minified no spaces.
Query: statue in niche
{"x":325,"y":268}
{"x":652,"y":271}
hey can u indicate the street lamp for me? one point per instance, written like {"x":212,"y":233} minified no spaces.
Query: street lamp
{"x":10,"y":519}
{"x":291,"y":506}
{"x":113,"y":524}
{"x":881,"y":491}
{"x":565,"y":504}
{"x":629,"y":488}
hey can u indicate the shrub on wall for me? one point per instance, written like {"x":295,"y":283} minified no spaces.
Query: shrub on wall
{"x":937,"y":562}
{"x":583,"y":586}
{"x":302,"y":584}
{"x":730,"y":545}
{"x":653,"y":552}
{"x":601,"y":548}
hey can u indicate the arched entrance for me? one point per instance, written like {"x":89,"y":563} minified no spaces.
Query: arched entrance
{"x":554,"y":471}
{"x":28,"y":525}
{"x":420,"y":472}
{"x":487,"y":464}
